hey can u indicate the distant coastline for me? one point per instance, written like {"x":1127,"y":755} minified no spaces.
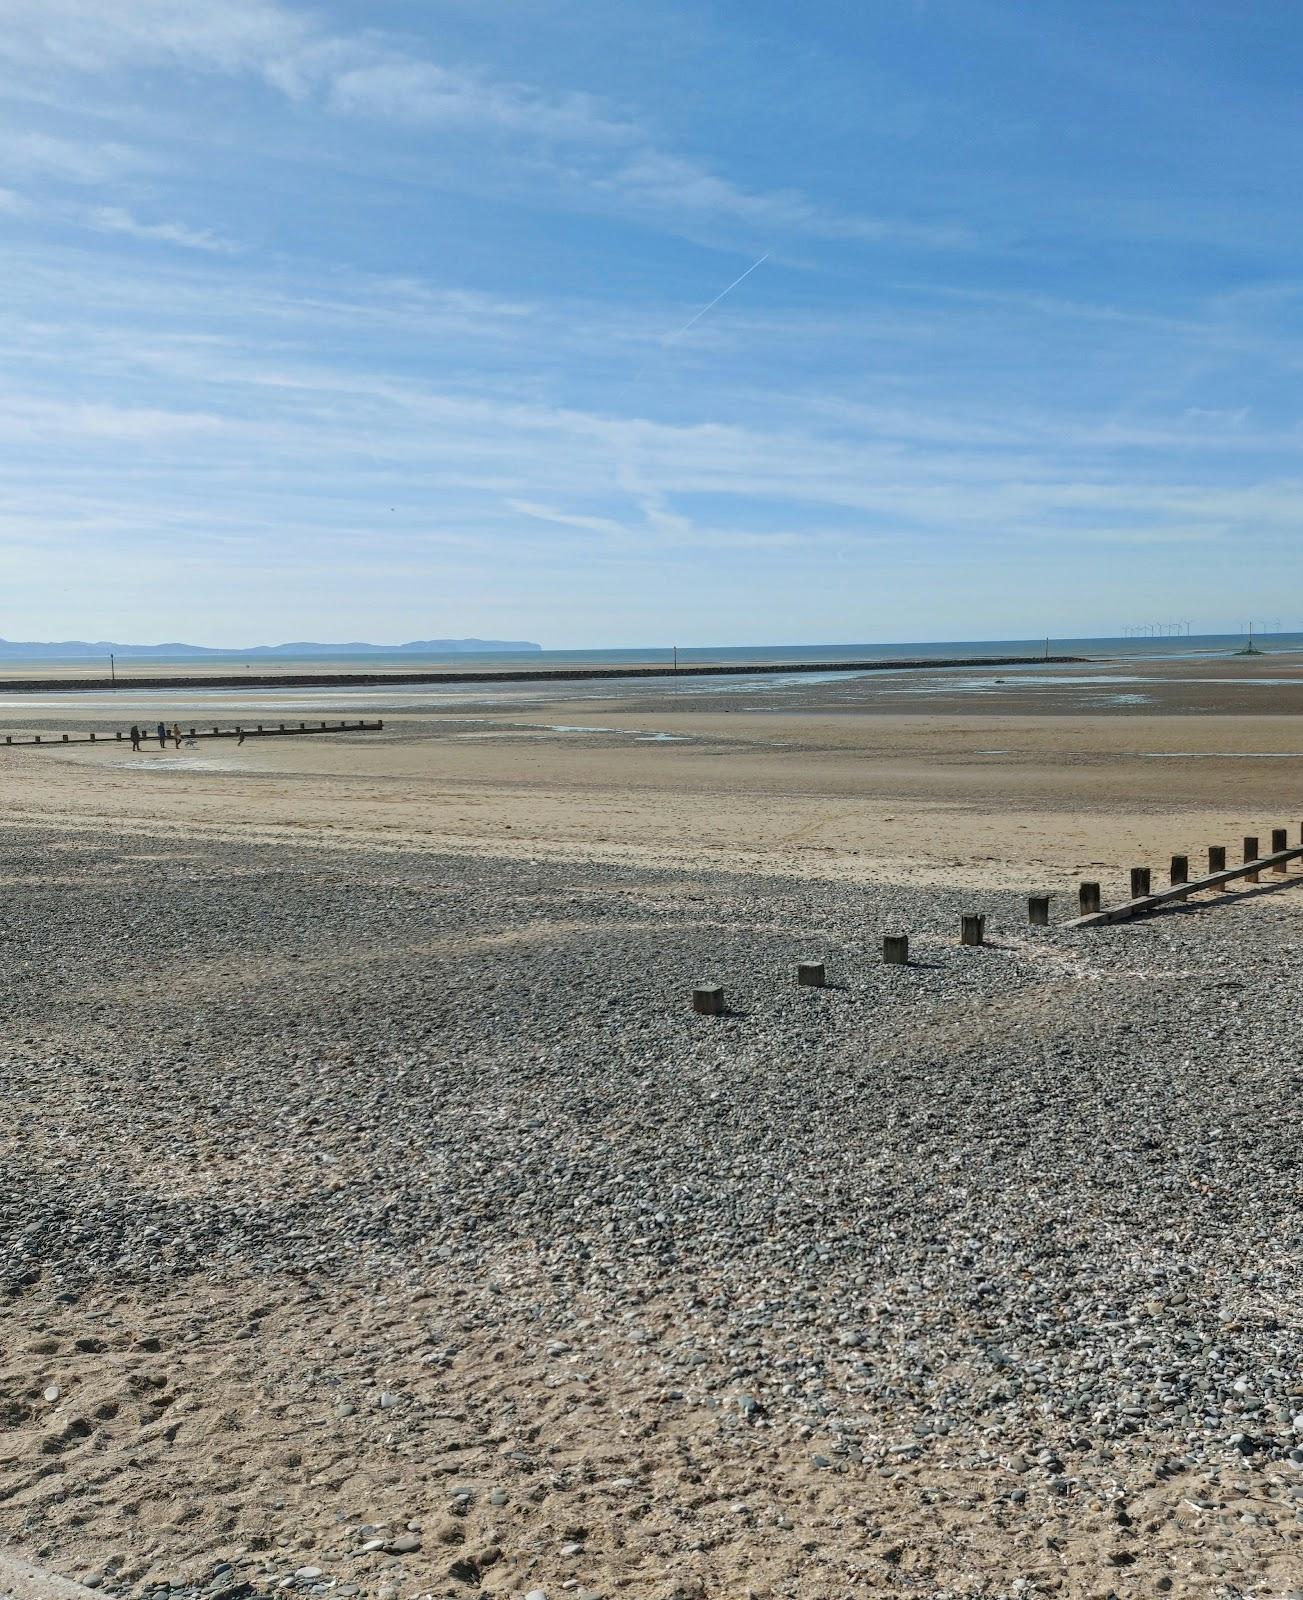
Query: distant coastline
{"x":77,"y":649}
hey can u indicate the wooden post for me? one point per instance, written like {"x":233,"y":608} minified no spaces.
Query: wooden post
{"x":92,"y":738}
{"x":1180,"y":869}
{"x":260,"y":727}
{"x":119,"y":738}
{"x":895,"y":949}
{"x":1140,"y":882}
{"x":304,"y":726}
{"x":972,"y":929}
{"x":1280,"y":841}
{"x":9,"y":738}
{"x":37,"y":739}
{"x":708,"y":1001}
{"x":1217,"y":858}
{"x":65,"y":738}
{"x":1088,"y":897}
{"x":1038,"y":910}
{"x":1250,"y":854}
{"x":192,"y":733}
{"x":810,"y":974}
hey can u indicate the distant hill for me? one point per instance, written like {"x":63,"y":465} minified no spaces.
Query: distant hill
{"x":66,"y":649}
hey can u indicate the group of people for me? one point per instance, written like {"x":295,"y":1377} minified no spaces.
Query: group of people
{"x":163,"y":733}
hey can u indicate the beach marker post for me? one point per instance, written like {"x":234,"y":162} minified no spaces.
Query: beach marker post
{"x":1038,"y":910}
{"x":1280,"y":841}
{"x":1141,"y":882}
{"x":1180,"y":870}
{"x":708,"y":1000}
{"x":972,"y":929}
{"x":810,"y":974}
{"x":895,"y":949}
{"x":1088,"y":899}
{"x":1217,"y":858}
{"x":1250,"y":854}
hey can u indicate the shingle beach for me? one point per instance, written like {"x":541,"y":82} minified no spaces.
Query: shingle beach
{"x":386,"y":1224}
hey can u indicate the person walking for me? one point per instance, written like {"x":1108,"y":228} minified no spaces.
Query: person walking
{"x":135,"y":737}
{"x":176,"y":735}
{"x":162,"y":736}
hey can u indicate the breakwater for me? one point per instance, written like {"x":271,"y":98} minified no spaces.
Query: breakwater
{"x":338,"y":680}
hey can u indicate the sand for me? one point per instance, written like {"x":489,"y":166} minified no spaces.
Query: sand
{"x":1028,"y":800}
{"x":1008,"y":787}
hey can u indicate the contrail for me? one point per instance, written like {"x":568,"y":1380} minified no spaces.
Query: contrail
{"x":693,"y":321}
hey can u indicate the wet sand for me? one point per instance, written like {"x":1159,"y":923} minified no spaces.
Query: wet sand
{"x":937,"y":777}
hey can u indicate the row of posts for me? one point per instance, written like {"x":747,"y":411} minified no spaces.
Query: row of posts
{"x":708,"y":999}
{"x":1142,"y":878}
{"x":191,"y":734}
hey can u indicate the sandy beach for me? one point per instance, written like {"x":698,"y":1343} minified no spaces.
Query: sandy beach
{"x":379,"y":1220}
{"x":917,"y":776}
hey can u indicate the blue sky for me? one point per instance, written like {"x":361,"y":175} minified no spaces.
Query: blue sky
{"x":371,"y":321}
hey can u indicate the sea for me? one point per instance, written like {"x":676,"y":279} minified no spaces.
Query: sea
{"x":1082,"y":688}
{"x":1141,"y":648}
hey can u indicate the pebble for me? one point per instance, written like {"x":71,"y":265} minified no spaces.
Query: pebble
{"x":1027,"y":1251}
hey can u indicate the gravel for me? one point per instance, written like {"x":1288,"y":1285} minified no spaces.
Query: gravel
{"x":1033,"y":1207}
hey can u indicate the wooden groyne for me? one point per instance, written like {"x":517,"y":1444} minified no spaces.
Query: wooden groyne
{"x":335,"y":680}
{"x":1181,"y":885}
{"x":256,"y":731}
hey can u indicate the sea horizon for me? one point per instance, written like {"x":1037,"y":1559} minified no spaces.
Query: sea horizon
{"x":1171,"y":647}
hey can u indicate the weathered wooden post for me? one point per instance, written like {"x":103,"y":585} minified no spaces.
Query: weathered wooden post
{"x":708,"y":1000}
{"x":895,"y":949}
{"x":1038,"y":910}
{"x":260,"y":727}
{"x":1280,"y":841}
{"x":972,"y":929}
{"x":1141,"y":882}
{"x":92,"y":738}
{"x":1217,"y":858}
{"x":810,"y":974}
{"x":192,"y":733}
{"x":119,"y":738}
{"x":1088,"y":898}
{"x":65,"y":738}
{"x":1180,"y":869}
{"x":1250,"y":854}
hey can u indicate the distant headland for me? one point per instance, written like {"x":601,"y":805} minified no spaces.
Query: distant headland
{"x":65,"y":649}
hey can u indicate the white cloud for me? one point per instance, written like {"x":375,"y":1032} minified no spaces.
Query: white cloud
{"x":91,"y":162}
{"x":359,"y":74}
{"x":422,"y":93}
{"x":113,"y":219}
{"x":657,"y":181}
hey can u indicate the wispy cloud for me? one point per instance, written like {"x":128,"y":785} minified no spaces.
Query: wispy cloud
{"x":114,"y":219}
{"x":588,"y":147}
{"x":86,"y":161}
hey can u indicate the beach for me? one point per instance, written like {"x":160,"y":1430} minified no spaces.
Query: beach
{"x":378,"y":1219}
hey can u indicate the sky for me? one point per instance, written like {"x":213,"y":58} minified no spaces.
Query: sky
{"x":389,"y":320}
